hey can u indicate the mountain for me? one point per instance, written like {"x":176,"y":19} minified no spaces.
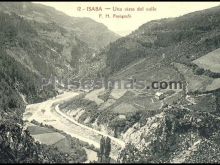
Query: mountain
{"x":182,"y":39}
{"x":53,"y":43}
{"x":33,"y":48}
{"x":95,"y":34}
{"x":183,"y":125}
{"x":16,"y":144}
{"x":165,"y":50}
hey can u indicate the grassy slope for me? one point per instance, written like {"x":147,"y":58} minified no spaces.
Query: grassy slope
{"x":181,"y":39}
{"x":210,"y":61}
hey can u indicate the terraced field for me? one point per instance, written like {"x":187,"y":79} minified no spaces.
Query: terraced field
{"x":48,"y":138}
{"x":35,"y":130}
{"x":199,"y":83}
{"x":210,"y":61}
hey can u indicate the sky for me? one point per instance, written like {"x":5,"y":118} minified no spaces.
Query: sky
{"x":111,"y":17}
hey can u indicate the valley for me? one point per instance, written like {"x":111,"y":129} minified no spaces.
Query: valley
{"x":54,"y":117}
{"x":43,"y":121}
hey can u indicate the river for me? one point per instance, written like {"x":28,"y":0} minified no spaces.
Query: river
{"x":48,"y":112}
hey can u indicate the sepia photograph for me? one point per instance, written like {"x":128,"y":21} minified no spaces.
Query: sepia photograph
{"x":109,"y":82}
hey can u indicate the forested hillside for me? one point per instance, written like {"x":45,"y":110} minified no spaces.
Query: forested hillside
{"x":16,"y":144}
{"x":29,"y":51}
{"x":95,"y":34}
{"x":182,"y":39}
{"x":38,"y":42}
{"x":182,"y":131}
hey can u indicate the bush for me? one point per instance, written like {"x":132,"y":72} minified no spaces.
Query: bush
{"x":199,"y":71}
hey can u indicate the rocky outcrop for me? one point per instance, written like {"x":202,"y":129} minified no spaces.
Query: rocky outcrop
{"x":174,"y":135}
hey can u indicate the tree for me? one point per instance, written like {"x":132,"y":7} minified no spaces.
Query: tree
{"x":102,"y":149}
{"x":105,"y":149}
{"x":199,"y":71}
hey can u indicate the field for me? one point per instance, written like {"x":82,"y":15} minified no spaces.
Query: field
{"x":124,"y":108}
{"x":210,"y":61}
{"x":93,"y":96}
{"x":64,"y":145}
{"x":34,"y":130}
{"x":44,"y":135}
{"x":149,"y":70}
{"x":107,"y":104}
{"x":199,"y":83}
{"x":117,"y":93}
{"x":136,"y":67}
{"x":73,"y":148}
{"x":48,"y":138}
{"x":147,"y":103}
{"x":214,"y":85}
{"x":206,"y":103}
{"x":160,"y":73}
